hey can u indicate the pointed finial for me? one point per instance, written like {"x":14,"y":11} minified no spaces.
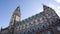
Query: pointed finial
{"x":18,"y":8}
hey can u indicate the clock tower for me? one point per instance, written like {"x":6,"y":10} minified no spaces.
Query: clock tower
{"x":15,"y":19}
{"x":16,"y":16}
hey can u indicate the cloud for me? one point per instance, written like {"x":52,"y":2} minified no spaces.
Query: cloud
{"x":52,"y":6}
{"x":58,"y":7}
{"x":58,"y":10}
{"x":58,"y":1}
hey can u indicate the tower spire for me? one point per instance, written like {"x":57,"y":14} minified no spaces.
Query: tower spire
{"x":17,"y":14}
{"x":17,"y":11}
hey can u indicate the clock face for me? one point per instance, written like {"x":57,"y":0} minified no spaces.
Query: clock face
{"x":17,"y":18}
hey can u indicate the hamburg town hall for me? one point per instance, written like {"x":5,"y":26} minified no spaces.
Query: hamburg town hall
{"x":45,"y":22}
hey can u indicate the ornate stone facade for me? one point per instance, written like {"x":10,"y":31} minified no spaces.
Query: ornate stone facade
{"x":45,"y":22}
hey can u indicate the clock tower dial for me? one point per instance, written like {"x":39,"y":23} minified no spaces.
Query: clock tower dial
{"x":17,"y":18}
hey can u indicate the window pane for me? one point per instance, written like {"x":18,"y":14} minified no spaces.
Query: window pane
{"x":48,"y":32}
{"x":58,"y":28}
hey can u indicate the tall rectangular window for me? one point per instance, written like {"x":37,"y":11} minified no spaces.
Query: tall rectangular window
{"x":58,"y":28}
{"x":48,"y":32}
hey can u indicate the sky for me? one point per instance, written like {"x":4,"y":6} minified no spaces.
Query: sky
{"x":28,"y":8}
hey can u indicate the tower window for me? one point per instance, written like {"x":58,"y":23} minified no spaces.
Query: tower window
{"x":58,"y":28}
{"x":48,"y":32}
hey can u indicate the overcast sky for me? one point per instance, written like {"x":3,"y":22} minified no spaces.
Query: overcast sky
{"x":27,"y":8}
